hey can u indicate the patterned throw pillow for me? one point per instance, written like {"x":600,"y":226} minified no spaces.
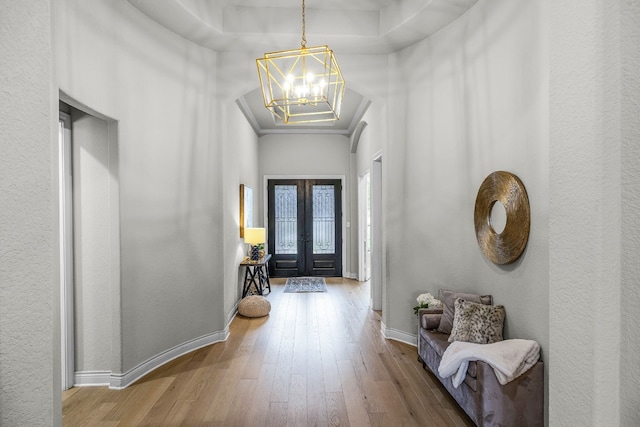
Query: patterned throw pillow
{"x":448,"y":311}
{"x":477,"y":323}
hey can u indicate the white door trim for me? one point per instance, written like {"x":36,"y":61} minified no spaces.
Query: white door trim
{"x":65,"y":191}
{"x":364,"y":270}
{"x":377,"y":244}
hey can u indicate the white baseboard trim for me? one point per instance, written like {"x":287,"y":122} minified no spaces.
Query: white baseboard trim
{"x":120,"y":381}
{"x":91,"y":378}
{"x":395,"y":334}
{"x":232,"y":315}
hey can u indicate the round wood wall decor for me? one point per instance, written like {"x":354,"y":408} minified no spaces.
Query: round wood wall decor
{"x":507,"y":246}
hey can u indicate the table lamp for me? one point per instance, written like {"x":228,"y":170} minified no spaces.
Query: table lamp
{"x":254,"y":237}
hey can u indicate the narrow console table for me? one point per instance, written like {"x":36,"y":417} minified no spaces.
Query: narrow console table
{"x":256,"y":275}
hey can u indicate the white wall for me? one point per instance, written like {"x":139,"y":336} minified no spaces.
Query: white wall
{"x":583,"y":257}
{"x":470,"y":100}
{"x":594,"y":176}
{"x":304,"y":154}
{"x":160,"y":89}
{"x":92,"y":243}
{"x":236,"y":75}
{"x":630,"y":212}
{"x":29,"y":331}
{"x":240,"y":167}
{"x":484,"y":81}
{"x":372,"y":140}
{"x":369,"y":75}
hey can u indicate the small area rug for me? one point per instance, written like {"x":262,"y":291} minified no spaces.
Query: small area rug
{"x":305,"y":284}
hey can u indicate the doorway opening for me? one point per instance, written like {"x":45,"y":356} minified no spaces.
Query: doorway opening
{"x":65,"y":191}
{"x":364,"y":228}
{"x":304,"y":219}
{"x":90,"y":246}
{"x":377,"y":253}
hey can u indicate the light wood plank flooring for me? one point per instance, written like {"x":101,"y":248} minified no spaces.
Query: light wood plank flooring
{"x":318,"y":359}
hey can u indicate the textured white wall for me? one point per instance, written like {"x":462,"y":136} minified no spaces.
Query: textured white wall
{"x":240,"y":167}
{"x":162,"y":91}
{"x":29,"y":331}
{"x":92,"y":243}
{"x":585,"y":223}
{"x":300,"y":154}
{"x":470,"y":100}
{"x":236,"y":75}
{"x":594,"y":246}
{"x":630,"y":291}
{"x":372,"y":139}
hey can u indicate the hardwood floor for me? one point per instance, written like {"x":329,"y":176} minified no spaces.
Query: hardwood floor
{"x":318,"y":359}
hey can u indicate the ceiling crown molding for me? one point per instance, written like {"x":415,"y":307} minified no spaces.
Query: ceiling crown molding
{"x":349,"y":27}
{"x":353,"y":27}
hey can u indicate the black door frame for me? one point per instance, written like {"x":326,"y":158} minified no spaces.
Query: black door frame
{"x":340,"y":206}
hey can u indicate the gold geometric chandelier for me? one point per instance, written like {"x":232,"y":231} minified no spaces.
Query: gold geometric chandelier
{"x":302,"y":85}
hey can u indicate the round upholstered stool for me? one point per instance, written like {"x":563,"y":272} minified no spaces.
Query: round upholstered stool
{"x":254,"y":306}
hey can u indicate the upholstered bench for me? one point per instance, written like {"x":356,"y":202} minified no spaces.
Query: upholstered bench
{"x":519,"y":402}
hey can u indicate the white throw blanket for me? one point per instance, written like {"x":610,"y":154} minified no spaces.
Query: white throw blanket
{"x":509,"y":358}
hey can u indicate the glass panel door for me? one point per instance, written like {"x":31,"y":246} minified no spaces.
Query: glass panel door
{"x":305,"y":228}
{"x":285,"y":226}
{"x":286,"y":219}
{"x":324,"y":219}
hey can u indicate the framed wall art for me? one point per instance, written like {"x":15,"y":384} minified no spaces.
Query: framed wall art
{"x":246,"y":208}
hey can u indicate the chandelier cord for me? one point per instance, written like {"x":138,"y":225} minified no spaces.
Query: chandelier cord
{"x":304,"y":39}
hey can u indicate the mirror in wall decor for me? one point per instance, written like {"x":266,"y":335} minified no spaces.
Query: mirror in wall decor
{"x":246,"y":208}
{"x":502,"y":218}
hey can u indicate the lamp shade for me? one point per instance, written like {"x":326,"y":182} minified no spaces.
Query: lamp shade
{"x":254,"y":236}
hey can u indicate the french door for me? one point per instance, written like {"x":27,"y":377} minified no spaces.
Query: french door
{"x":305,"y":227}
